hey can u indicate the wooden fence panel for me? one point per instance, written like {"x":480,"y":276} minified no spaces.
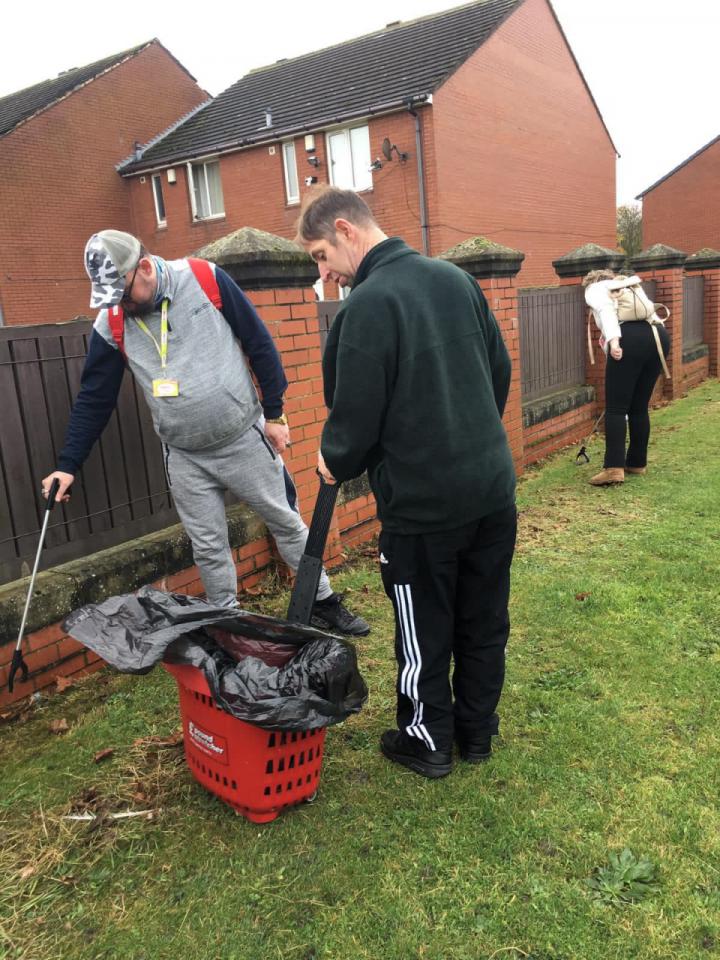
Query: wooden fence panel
{"x":552,"y":340}
{"x":120,"y":493}
{"x":327,"y":311}
{"x":51,"y":353}
{"x":93,"y":471}
{"x":131,"y":452}
{"x":650,"y":288}
{"x":13,"y":452}
{"x":159,"y":498}
{"x":693,"y":311}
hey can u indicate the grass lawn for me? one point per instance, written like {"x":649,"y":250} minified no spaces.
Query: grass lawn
{"x":610,"y":740}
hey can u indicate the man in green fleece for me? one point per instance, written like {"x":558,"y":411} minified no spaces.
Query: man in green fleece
{"x":416,"y":378}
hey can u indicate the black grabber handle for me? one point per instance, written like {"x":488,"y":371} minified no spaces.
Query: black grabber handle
{"x":17,"y":658}
{"x":310,"y":567}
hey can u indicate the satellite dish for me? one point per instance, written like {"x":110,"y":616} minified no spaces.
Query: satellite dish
{"x":387,"y":149}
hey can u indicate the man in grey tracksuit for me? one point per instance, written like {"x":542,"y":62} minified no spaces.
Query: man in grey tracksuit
{"x":189,"y":357}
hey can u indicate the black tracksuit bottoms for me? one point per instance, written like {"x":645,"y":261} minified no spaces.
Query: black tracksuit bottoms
{"x":450,"y":594}
{"x":629,"y":383}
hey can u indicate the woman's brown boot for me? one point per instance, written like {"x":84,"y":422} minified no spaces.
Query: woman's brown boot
{"x":635,"y":469}
{"x":607,"y":476}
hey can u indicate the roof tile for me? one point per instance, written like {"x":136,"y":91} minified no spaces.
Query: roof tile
{"x":352,"y":79}
{"x":16,"y":107}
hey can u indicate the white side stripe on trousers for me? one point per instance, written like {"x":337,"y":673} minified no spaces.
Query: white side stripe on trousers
{"x":413,"y":662}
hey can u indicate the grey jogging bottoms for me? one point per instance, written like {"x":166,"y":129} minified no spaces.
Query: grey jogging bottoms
{"x":251,"y":469}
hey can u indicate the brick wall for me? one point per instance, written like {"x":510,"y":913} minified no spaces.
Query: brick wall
{"x":501,"y":296}
{"x":58,"y":182}
{"x":694,"y":373}
{"x":521,"y":152}
{"x":711,"y":313}
{"x":669,"y":291}
{"x":552,"y":435}
{"x":357,"y":520}
{"x":684,"y":211}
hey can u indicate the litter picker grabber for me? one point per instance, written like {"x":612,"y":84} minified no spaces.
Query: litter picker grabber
{"x":17,"y":661}
{"x":581,"y":456}
{"x":309,"y":569}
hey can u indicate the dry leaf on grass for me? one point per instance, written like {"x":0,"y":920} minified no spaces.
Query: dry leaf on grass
{"x":62,"y":683}
{"x":254,"y":591}
{"x":59,"y":726}
{"x":103,"y":754}
{"x":20,"y":711}
{"x":582,"y":596}
{"x":27,"y":871}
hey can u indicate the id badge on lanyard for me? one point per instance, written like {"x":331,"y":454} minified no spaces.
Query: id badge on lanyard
{"x":162,"y":386}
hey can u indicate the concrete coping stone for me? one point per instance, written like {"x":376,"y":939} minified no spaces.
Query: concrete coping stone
{"x":258,"y":260}
{"x":705,"y":259}
{"x":583,"y":259}
{"x":554,"y":405}
{"x":484,"y":259}
{"x":658,"y":256}
{"x":698,"y":350}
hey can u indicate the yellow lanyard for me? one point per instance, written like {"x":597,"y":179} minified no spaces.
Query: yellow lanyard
{"x":162,"y":347}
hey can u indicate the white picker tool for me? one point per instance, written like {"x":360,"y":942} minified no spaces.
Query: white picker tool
{"x":17,"y":661}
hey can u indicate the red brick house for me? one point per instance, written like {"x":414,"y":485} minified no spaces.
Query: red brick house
{"x":682,"y":209}
{"x":60,"y":143}
{"x":474,"y":121}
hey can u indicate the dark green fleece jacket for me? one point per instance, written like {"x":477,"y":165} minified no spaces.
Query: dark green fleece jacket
{"x":416,"y":378}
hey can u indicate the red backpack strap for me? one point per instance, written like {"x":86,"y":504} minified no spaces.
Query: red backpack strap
{"x":116,"y":321}
{"x":205,"y":276}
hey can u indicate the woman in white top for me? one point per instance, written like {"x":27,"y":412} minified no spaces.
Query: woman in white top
{"x":633,"y":366}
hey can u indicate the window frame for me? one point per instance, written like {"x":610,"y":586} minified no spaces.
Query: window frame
{"x":290,"y":198}
{"x":161,"y":221}
{"x":204,"y":163}
{"x":347,"y":133}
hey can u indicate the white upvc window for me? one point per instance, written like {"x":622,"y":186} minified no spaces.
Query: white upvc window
{"x":292,"y":188}
{"x":159,"y":200}
{"x":349,"y":155}
{"x":206,"y":195}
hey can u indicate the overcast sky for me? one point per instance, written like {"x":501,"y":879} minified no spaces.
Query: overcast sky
{"x":652,"y":65}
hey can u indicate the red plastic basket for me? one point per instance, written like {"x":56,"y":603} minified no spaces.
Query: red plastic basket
{"x":258,"y":772}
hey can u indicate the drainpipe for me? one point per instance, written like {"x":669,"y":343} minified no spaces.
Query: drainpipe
{"x":424,"y":227}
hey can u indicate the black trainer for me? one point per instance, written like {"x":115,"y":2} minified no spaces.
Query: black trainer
{"x":413,"y":754}
{"x":332,"y":615}
{"x":476,"y":751}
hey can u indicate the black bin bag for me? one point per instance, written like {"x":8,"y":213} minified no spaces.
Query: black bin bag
{"x":318,"y":686}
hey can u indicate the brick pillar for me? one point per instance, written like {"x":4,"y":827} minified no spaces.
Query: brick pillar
{"x":495,"y":268}
{"x":665,"y":266}
{"x":277,"y":278}
{"x":571,"y":268}
{"x":706,"y":262}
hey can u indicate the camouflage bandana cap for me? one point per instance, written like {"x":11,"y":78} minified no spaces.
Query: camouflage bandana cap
{"x":109,"y":256}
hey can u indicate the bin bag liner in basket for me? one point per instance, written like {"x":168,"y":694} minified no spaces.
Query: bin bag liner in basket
{"x":321,"y":684}
{"x":239,"y":646}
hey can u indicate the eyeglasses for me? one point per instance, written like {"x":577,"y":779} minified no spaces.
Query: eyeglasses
{"x":127,"y":295}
